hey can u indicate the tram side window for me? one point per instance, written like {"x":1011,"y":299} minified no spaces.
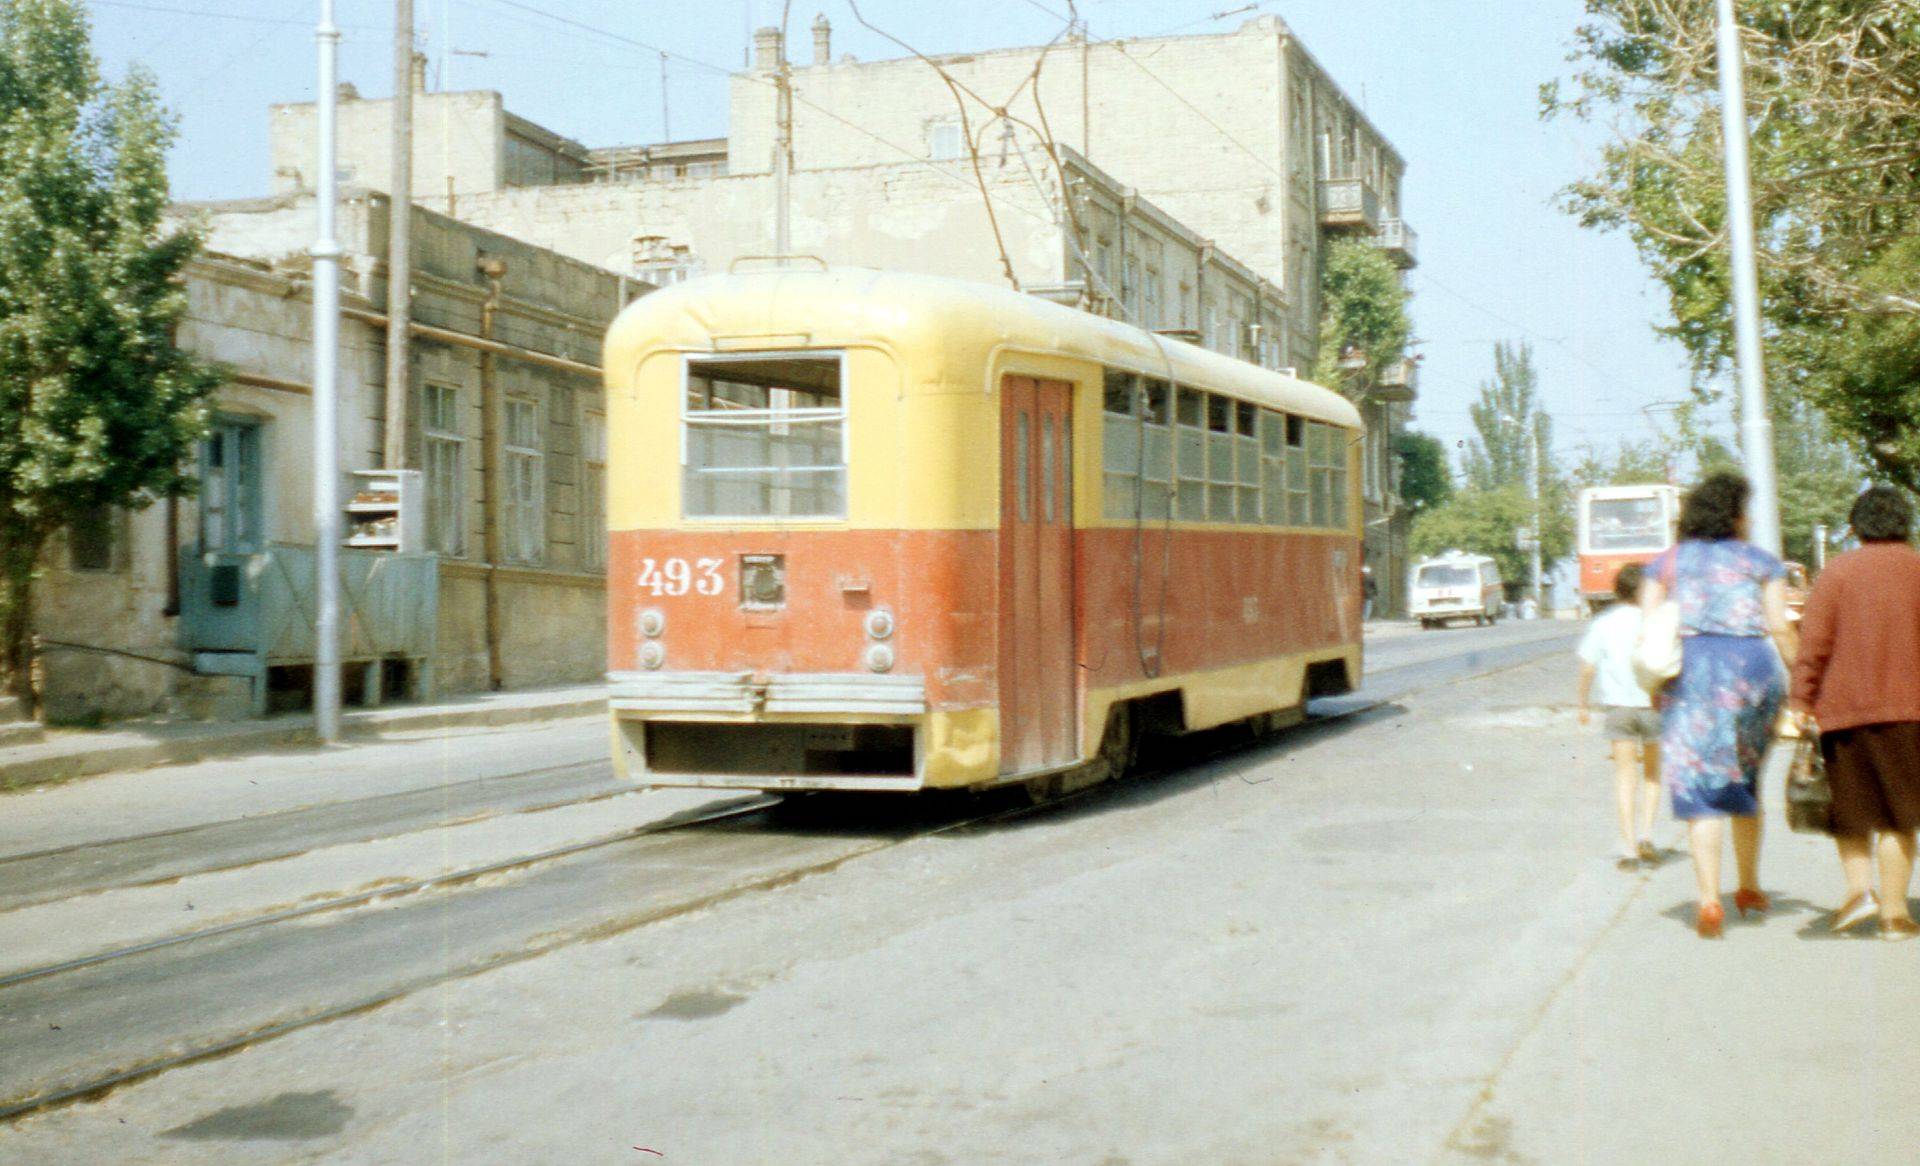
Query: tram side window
{"x":1273,"y":463}
{"x":1121,"y":445}
{"x":1190,"y":415}
{"x":1298,"y":512}
{"x":764,"y":438}
{"x":1328,"y":454}
{"x":1220,"y":473}
{"x":1247,"y":461}
{"x":1339,"y":457}
{"x":1156,"y":414}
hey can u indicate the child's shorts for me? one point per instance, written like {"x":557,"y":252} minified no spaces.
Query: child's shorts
{"x":1641,"y":726}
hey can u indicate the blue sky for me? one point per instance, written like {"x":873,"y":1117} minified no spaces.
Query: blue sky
{"x":1453,"y":83}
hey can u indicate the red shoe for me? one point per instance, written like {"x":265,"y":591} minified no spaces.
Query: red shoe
{"x":1745,"y":900}
{"x":1709,"y":919}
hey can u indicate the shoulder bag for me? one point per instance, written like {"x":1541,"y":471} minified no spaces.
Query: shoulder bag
{"x":1797,"y":764}
{"x":1656,"y":654}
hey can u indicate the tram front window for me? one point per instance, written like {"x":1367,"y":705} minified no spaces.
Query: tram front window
{"x":1626,"y":524}
{"x":765,"y":438}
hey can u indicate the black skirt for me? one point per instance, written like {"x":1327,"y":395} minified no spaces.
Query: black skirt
{"x":1875,"y":774}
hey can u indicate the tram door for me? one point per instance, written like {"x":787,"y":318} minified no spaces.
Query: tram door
{"x":1037,"y":683}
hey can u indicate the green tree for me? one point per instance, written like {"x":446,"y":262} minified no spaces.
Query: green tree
{"x":1834,"y":100}
{"x":98,"y":407}
{"x":1631,"y":463}
{"x":1480,"y":521}
{"x":1363,"y":307}
{"x":1508,"y":420}
{"x":1425,"y":481}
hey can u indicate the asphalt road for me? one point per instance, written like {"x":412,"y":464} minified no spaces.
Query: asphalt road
{"x":131,"y":1016}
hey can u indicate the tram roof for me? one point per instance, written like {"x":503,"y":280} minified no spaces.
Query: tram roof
{"x":923,"y":315}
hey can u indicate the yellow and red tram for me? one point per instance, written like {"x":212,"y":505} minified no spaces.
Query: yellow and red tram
{"x":889,"y":532}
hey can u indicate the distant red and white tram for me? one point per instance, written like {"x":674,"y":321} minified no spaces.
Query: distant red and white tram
{"x":887,"y":532}
{"x":1618,"y":525}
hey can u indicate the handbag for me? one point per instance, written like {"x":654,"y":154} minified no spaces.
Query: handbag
{"x":1656,"y":654}
{"x":1803,"y":774}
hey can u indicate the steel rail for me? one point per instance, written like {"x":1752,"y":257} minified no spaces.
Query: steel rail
{"x":398,"y":890}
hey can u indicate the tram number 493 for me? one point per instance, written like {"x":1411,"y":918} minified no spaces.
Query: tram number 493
{"x":678,"y":577}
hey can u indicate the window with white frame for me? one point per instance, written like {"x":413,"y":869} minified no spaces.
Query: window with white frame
{"x":443,"y":463}
{"x":946,"y":141}
{"x":526,"y":486}
{"x":764,"y":437}
{"x":593,"y":490}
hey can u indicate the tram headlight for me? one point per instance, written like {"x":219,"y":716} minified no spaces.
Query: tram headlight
{"x":652,"y":655}
{"x":652,"y":623}
{"x":880,"y":658}
{"x":879,"y":623}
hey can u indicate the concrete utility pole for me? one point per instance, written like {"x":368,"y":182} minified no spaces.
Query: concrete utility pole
{"x":1533,"y":493}
{"x":326,"y":399}
{"x":783,"y":155}
{"x":400,"y":239}
{"x":1756,"y":424}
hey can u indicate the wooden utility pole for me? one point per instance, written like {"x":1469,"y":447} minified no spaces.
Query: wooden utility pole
{"x":400,"y":239}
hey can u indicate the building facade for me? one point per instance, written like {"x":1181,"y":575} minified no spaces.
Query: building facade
{"x":202,"y":605}
{"x":1186,"y":183}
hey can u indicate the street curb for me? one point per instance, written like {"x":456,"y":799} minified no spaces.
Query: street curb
{"x":64,"y":759}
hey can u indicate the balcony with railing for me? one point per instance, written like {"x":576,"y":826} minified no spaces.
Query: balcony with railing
{"x":1397,"y":383}
{"x":1349,"y":203}
{"x":1398,"y":240}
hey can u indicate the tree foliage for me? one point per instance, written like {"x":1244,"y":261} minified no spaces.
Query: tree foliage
{"x":1363,"y":307}
{"x":1631,"y":463}
{"x":98,"y":407}
{"x":1479,"y":521}
{"x":1493,"y":505}
{"x":1425,"y":481}
{"x":1833,"y":89}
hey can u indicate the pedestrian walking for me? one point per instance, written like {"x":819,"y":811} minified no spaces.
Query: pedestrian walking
{"x":1719,"y":713}
{"x":1627,"y":716}
{"x":1369,"y":591}
{"x":1857,"y":680}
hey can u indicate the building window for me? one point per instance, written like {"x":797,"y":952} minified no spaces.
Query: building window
{"x":444,"y":464}
{"x":231,"y":487}
{"x":92,"y":537}
{"x":593,"y":501}
{"x":764,"y":437}
{"x":525,"y":511}
{"x":945,"y":141}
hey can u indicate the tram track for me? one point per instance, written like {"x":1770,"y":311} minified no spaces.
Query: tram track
{"x":356,"y":952}
{"x":145,"y":859}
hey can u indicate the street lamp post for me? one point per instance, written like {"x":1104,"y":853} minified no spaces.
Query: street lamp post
{"x":326,"y":402}
{"x":1756,"y":424}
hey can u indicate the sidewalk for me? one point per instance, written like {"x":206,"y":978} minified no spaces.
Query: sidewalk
{"x":1782,"y":1043}
{"x":62,"y":754}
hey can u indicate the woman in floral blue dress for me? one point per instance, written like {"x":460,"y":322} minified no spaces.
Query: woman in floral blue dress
{"x":1720,"y":711}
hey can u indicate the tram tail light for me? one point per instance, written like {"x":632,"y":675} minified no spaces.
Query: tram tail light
{"x":763,"y":582}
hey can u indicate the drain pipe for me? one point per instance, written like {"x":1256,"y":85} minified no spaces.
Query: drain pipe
{"x":495,"y":270}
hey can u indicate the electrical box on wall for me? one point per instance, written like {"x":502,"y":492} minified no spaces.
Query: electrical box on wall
{"x":387,"y":511}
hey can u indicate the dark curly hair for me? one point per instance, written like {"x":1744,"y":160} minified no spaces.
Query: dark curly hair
{"x":1712,"y":510}
{"x":1882,"y":514}
{"x":1626,"y":585}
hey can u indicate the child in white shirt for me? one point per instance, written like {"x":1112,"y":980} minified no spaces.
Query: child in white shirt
{"x":1629,"y":719}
